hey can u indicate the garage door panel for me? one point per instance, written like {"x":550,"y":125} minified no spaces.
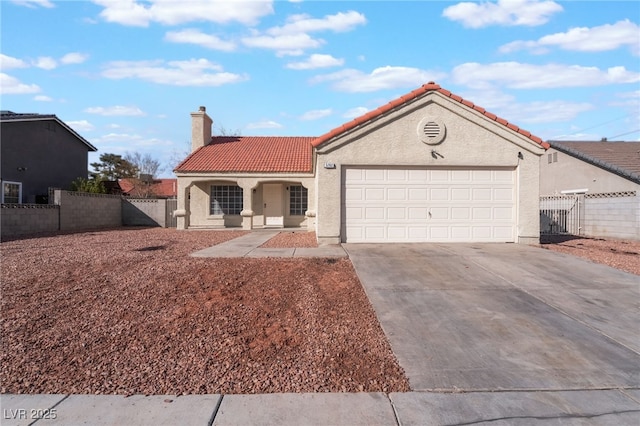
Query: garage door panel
{"x":415,"y":205}
{"x":397,"y":213}
{"x":503,"y":194}
{"x":460,"y":194}
{"x":374,"y":213}
{"x":396,"y":194}
{"x":439,"y":194}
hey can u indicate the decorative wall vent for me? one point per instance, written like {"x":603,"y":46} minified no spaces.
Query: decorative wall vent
{"x":431,"y":130}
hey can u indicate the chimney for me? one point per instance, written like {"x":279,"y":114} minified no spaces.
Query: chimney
{"x":200,"y":128}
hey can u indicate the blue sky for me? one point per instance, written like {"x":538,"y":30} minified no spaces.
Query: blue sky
{"x":126,"y":73}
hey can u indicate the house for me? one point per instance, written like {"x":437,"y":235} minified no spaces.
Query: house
{"x":39,"y":152}
{"x":594,"y":167}
{"x":428,"y":166}
{"x":591,"y":189}
{"x":149,"y":188}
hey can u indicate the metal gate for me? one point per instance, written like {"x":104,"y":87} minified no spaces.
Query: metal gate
{"x":561,"y":214}
{"x":171,"y":220}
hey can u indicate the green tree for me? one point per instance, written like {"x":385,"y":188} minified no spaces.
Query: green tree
{"x":94,"y":186}
{"x":113,"y":167}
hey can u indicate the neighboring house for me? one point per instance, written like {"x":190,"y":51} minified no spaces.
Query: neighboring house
{"x":39,"y":152}
{"x":149,"y":188}
{"x":592,"y":167}
{"x":428,"y":166}
{"x":591,"y":189}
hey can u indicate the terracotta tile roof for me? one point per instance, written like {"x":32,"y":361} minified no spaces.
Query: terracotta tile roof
{"x":621,"y":158}
{"x":425,"y":88}
{"x":255,"y":154}
{"x":163,"y":188}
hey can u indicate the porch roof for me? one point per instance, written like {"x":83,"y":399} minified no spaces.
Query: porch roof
{"x":254,"y":154}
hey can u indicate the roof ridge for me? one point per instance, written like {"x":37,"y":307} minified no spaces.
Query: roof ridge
{"x":429,"y":87}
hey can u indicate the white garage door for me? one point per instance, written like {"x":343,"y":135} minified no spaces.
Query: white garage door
{"x":429,"y":205}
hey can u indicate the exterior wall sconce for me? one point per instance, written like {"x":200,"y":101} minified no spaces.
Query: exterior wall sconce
{"x":22,"y":169}
{"x":329,"y":165}
{"x":520,"y":156}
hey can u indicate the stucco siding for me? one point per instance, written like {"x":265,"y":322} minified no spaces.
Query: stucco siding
{"x":568,"y":173}
{"x":471,"y":141}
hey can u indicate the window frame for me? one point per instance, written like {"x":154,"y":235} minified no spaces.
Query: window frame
{"x":298,"y":200}
{"x":225,"y":200}
{"x":8,"y":182}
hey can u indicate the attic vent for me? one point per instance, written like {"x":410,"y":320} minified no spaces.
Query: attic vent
{"x":431,"y":130}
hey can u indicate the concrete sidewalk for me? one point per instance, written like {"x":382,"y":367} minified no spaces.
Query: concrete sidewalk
{"x":249,"y":246}
{"x":599,"y":407}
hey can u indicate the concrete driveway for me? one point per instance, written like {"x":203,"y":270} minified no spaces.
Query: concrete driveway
{"x":491,"y":317}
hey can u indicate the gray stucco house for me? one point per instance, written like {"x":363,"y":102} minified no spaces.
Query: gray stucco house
{"x":428,"y":166}
{"x":38,"y":152}
{"x":590,"y":167}
{"x":591,"y":189}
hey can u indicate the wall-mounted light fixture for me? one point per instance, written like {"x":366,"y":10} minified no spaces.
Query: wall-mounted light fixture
{"x":329,"y":165}
{"x":520,"y":156}
{"x":22,"y":169}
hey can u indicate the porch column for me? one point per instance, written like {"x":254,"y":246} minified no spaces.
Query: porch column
{"x":247,"y":202}
{"x":182,"y":211}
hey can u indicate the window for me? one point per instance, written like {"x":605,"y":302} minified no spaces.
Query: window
{"x":297,"y":200}
{"x":552,"y":158}
{"x":226,"y":199}
{"x":11,"y":192}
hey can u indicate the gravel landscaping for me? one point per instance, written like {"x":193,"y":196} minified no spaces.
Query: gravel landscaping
{"x":619,"y":254}
{"x":128,"y":311}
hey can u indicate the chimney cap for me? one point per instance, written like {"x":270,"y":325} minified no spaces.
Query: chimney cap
{"x":202,"y":108}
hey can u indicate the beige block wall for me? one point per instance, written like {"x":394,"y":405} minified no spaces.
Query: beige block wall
{"x":471,"y":141}
{"x":570,"y":173}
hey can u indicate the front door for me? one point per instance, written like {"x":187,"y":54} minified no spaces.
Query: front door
{"x":273,"y":205}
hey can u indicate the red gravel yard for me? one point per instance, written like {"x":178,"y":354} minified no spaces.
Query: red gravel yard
{"x":130,"y":312}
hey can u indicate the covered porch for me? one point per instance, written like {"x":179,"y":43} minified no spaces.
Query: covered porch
{"x":246,"y":202}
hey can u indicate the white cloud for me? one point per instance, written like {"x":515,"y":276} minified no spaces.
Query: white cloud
{"x":141,"y":14}
{"x":316,"y":61}
{"x":42,"y":98}
{"x":194,"y":36}
{"x":293,"y":38}
{"x":194,"y":72}
{"x":340,"y":22}
{"x":81,"y":125}
{"x":583,"y":39}
{"x":131,"y":111}
{"x":287,"y":44}
{"x":529,"y":76}
{"x":34,"y":3}
{"x":12,"y":86}
{"x":74,"y":58}
{"x":355,"y":112}
{"x":8,"y":62}
{"x":264,"y":124}
{"x":316,"y":114}
{"x":389,"y":77}
{"x":506,"y":105}
{"x":503,"y":12}
{"x":45,"y":62}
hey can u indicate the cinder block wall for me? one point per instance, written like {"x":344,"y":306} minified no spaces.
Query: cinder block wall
{"x":613,"y":217}
{"x":88,"y":211}
{"x":22,"y":219}
{"x":144,"y":212}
